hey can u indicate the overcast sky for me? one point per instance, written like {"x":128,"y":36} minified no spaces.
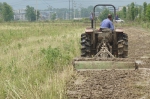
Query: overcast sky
{"x":43,"y":4}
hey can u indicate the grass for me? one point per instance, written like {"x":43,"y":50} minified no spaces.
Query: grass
{"x":35,"y":59}
{"x":136,"y":24}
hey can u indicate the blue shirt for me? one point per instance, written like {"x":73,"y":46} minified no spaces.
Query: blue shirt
{"x":117,"y":18}
{"x":91,"y":17}
{"x":107,"y":24}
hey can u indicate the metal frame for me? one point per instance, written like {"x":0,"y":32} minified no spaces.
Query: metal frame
{"x":94,"y":21}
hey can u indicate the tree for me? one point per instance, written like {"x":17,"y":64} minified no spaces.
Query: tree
{"x":53,"y":17}
{"x":85,"y":12}
{"x":124,"y":12}
{"x":7,"y":12}
{"x":140,"y":12}
{"x":38,"y":14}
{"x":103,"y":15}
{"x":148,"y":12}
{"x":31,"y":14}
{"x":132,"y":11}
{"x":61,"y":13}
{"x":1,"y":8}
{"x":145,"y":8}
{"x":136,"y":12}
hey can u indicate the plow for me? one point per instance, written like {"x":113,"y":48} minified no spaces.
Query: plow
{"x":111,"y":63}
{"x":106,"y":49}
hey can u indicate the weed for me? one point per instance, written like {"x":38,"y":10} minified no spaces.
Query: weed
{"x":19,"y":46}
{"x":52,"y":55}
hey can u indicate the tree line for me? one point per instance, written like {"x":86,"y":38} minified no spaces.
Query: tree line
{"x":133,"y":12}
{"x":7,"y":14}
{"x":130,"y":12}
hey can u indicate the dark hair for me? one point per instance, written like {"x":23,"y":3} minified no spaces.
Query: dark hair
{"x":109,"y":16}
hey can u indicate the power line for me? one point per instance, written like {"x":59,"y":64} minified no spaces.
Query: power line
{"x":85,"y":3}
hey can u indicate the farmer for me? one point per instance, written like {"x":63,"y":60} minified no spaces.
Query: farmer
{"x":107,"y":23}
{"x":117,"y":18}
{"x":91,"y":18}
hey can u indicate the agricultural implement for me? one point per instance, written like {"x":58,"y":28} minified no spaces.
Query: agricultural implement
{"x":104,"y":49}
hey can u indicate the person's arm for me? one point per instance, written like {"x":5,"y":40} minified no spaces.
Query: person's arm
{"x":111,"y":26}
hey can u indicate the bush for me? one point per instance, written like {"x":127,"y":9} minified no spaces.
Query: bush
{"x":52,"y":55}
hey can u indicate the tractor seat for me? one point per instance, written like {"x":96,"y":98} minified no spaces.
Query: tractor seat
{"x":104,"y":30}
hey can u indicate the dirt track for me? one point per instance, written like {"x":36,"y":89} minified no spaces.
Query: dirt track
{"x":113,"y":84}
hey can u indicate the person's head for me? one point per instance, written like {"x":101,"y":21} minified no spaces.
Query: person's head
{"x":110,"y":16}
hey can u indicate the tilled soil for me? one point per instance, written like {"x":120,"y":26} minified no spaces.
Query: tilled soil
{"x":139,"y":42}
{"x":116,"y":84}
{"x":110,"y":84}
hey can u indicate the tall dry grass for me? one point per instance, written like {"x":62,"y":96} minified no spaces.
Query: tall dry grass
{"x":35,"y":59}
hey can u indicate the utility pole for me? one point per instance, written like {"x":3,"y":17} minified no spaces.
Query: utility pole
{"x":36,"y":9}
{"x":69,"y":9}
{"x":80,"y":9}
{"x":49,"y":12}
{"x":72,"y":9}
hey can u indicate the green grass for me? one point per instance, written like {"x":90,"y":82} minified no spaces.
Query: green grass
{"x":35,"y":60}
{"x":136,"y":24}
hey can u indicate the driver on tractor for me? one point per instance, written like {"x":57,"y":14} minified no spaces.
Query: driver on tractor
{"x":107,"y":23}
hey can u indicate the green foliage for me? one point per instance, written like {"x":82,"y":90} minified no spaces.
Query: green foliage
{"x":86,"y":20}
{"x":124,"y":12}
{"x":85,"y":12}
{"x":103,"y":15}
{"x":31,"y":13}
{"x":53,"y":16}
{"x":148,"y":12}
{"x":140,"y":12}
{"x":19,"y":46}
{"x":132,"y":11}
{"x":135,"y":12}
{"x":28,"y":72}
{"x":7,"y":12}
{"x":1,"y":6}
{"x":52,"y":55}
{"x":63,"y":13}
{"x":145,"y":7}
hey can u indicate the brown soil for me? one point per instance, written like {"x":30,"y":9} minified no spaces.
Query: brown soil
{"x":116,"y":84}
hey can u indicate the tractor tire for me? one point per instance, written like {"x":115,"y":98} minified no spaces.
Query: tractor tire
{"x":123,"y":47}
{"x":85,"y":45}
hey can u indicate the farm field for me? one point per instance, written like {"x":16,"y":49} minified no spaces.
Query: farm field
{"x":116,"y":84}
{"x":36,"y":58}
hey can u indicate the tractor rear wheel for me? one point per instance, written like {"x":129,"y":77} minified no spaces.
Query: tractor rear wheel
{"x":85,"y":45}
{"x":123,"y":47}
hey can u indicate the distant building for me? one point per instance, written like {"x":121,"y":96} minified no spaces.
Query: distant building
{"x":97,"y":14}
{"x":20,"y":15}
{"x":121,"y":7}
{"x":45,"y":15}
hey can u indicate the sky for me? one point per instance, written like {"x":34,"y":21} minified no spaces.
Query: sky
{"x":44,"y":4}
